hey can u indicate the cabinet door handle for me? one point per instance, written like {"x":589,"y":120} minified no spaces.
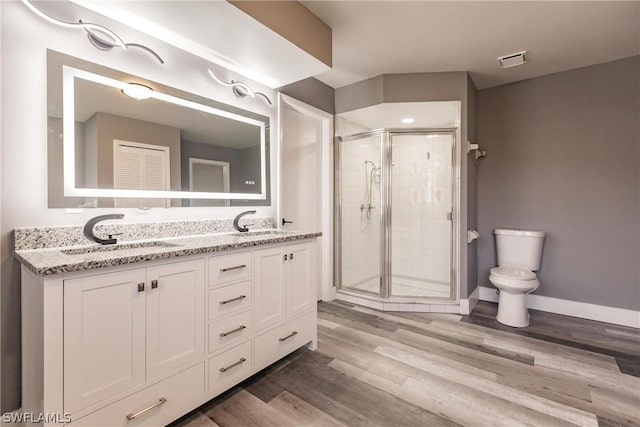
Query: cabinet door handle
{"x":161,"y":401}
{"x":154,"y":284}
{"x":291,"y":256}
{"x":233,"y":299}
{"x":233,"y":365}
{"x":141,"y":287}
{"x":291,"y":335}
{"x":233,"y":331}
{"x":233,"y":268}
{"x":285,"y":257}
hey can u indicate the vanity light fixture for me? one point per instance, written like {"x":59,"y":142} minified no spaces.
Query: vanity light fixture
{"x":137,"y":91}
{"x":240,"y":89}
{"x":408,"y":120}
{"x":99,"y":36}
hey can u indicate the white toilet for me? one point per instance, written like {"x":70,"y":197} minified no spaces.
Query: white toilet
{"x":519,"y":253}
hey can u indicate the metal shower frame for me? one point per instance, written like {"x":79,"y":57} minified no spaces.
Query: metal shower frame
{"x":386,"y":135}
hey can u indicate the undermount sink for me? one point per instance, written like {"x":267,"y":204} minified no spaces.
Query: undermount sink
{"x":116,"y":247}
{"x":250,"y":233}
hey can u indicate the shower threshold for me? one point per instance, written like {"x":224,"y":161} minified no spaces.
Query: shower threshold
{"x":426,"y":305}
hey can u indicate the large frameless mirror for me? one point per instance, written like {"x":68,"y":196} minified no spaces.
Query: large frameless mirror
{"x":116,"y":140}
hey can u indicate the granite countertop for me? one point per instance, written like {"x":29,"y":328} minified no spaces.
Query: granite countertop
{"x":45,"y":262}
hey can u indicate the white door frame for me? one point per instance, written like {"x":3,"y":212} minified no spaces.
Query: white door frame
{"x":225,"y":171}
{"x":326,"y":287}
{"x":225,"y":175}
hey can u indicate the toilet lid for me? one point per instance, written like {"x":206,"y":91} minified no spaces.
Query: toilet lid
{"x":513,"y":272}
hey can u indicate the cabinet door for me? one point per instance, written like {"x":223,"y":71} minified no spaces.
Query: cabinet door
{"x":269,"y":281}
{"x":104,"y":336}
{"x":300,"y":286}
{"x":175,"y":316}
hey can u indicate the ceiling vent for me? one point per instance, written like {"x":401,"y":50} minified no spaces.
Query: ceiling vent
{"x":513,"y":59}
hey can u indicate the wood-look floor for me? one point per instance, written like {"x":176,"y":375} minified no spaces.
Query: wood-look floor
{"x":420,"y":369}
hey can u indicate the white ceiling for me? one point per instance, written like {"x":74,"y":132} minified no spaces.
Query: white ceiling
{"x":373,"y":38}
{"x":218,"y":32}
{"x":381,"y":37}
{"x":390,"y":115}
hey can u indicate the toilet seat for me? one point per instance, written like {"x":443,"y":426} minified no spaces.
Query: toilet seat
{"x":512,"y":272}
{"x":514,"y":285}
{"x":514,"y":279}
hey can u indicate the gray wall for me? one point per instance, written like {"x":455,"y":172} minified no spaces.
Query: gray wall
{"x":199,"y":150}
{"x":472,"y":186}
{"x":110,"y":127}
{"x":359,"y":95}
{"x":244,"y":165}
{"x":563,"y":157}
{"x":312,"y":92}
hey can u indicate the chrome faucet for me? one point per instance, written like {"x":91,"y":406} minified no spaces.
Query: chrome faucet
{"x":88,"y":229}
{"x":236,"y":221}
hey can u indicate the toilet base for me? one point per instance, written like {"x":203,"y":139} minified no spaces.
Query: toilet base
{"x":512,"y":310}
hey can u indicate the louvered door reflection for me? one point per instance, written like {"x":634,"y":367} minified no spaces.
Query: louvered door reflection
{"x":140,"y":167}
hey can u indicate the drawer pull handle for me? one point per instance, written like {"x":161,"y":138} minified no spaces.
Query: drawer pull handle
{"x":233,"y":268}
{"x":233,"y":331}
{"x":141,"y":287}
{"x":233,"y":299}
{"x":233,"y":365}
{"x":291,"y":335}
{"x":154,"y":284}
{"x":161,"y":401}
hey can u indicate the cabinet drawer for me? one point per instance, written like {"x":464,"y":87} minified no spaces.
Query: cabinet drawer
{"x":230,"y":330}
{"x":178,"y":390}
{"x":285,"y":338}
{"x":229,"y":299}
{"x":230,"y":268}
{"x":230,"y":367}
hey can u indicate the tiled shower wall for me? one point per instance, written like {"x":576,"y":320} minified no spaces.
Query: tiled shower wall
{"x":421,"y":197}
{"x":360,"y":235}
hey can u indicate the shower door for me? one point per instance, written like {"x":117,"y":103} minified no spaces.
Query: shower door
{"x":358,"y":174}
{"x":421,"y":211}
{"x":394,"y":214}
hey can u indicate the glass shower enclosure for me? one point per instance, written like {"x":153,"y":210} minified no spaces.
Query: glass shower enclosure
{"x":394,"y":214}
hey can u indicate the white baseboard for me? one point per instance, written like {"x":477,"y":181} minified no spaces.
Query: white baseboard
{"x":467,"y":305}
{"x":601,"y":313}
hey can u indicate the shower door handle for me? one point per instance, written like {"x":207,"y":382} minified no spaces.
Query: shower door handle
{"x":284,"y":221}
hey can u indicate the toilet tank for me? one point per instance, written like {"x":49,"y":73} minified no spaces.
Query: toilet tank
{"x":521,"y":248}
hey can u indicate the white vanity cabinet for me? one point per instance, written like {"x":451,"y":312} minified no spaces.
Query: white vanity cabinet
{"x":145,"y":343}
{"x":282,"y":283}
{"x":299,"y":275}
{"x":284,"y":293}
{"x":123,"y":329}
{"x":104,"y":337}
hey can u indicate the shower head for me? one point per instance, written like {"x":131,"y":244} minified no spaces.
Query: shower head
{"x":372,"y":164}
